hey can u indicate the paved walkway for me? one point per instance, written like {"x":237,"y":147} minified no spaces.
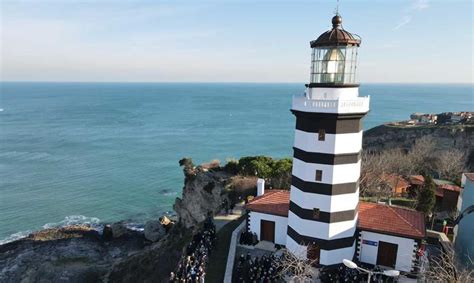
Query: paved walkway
{"x":222,"y":219}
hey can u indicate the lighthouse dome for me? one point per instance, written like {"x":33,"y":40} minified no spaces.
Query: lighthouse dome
{"x":337,"y":36}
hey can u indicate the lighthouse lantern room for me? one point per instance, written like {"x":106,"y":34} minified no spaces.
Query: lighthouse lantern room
{"x":334,"y":56}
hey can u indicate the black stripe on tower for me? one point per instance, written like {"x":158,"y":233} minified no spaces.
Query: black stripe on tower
{"x":323,"y":188}
{"x":324,"y":216}
{"x":329,"y":85}
{"x":326,"y":158}
{"x":332,"y":123}
{"x":323,"y":244}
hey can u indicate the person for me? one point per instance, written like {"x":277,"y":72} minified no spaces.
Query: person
{"x":191,"y":266}
{"x":226,"y":206}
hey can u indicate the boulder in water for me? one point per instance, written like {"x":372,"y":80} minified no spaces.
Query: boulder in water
{"x":107,"y":233}
{"x":118,"y":229}
{"x":154,"y":231}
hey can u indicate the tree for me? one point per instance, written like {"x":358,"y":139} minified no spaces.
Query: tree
{"x":295,"y":267}
{"x":426,"y":197}
{"x":450,"y":164}
{"x":446,"y":268}
{"x":277,"y":171}
{"x":255,"y":166}
{"x":421,"y":157}
{"x":376,"y":169}
{"x":281,"y":173}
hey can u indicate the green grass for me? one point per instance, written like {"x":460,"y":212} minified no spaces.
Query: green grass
{"x":406,"y":202}
{"x":218,"y":258}
{"x":399,"y":201}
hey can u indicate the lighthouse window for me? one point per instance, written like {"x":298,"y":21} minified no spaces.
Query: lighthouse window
{"x":321,"y":135}
{"x":316,"y":213}
{"x":319,"y":175}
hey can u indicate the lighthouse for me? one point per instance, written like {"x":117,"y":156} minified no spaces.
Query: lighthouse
{"x":324,"y":196}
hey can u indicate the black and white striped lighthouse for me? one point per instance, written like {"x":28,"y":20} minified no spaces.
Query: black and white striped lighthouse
{"x":326,"y":162}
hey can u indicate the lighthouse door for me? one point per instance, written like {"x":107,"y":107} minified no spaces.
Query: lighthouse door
{"x":267,"y":231}
{"x":387,"y":254}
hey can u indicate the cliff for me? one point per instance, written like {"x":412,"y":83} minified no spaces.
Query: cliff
{"x":205,"y":188}
{"x":81,"y":254}
{"x":203,"y":192}
{"x":446,"y":137}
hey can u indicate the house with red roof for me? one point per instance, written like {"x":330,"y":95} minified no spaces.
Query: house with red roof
{"x":398,"y":185}
{"x":386,"y":235}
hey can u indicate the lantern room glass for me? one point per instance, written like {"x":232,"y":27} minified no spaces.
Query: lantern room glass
{"x":334,"y":65}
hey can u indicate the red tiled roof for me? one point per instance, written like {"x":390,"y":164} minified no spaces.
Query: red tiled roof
{"x":276,"y":202}
{"x":372,"y":217}
{"x":417,"y":180}
{"x":452,"y":188}
{"x":441,"y":188}
{"x":395,"y":181}
{"x":391,"y":220}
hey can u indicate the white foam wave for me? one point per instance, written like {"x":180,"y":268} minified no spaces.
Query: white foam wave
{"x":15,"y":236}
{"x":93,"y":222}
{"x":139,"y":227}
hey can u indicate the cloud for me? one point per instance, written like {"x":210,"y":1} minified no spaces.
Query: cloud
{"x":419,"y":5}
{"x":415,"y":7}
{"x":405,"y":20}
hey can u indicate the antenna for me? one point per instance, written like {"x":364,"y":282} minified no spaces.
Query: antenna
{"x":337,"y":8}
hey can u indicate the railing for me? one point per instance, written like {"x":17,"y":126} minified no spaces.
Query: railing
{"x":358,"y":105}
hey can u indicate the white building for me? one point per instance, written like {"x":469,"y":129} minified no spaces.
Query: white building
{"x":320,"y":214}
{"x":384,"y":235}
{"x":464,"y":231}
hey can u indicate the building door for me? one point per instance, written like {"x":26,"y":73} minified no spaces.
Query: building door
{"x":387,"y":254}
{"x":313,"y":253}
{"x":267,"y":231}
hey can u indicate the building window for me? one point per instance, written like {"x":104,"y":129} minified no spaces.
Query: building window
{"x":316,"y":213}
{"x":321,"y":135}
{"x":319,"y":175}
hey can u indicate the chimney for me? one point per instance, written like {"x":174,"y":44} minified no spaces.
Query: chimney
{"x":260,"y":187}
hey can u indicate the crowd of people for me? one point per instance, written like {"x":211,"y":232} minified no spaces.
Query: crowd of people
{"x":248,"y":238}
{"x":263,"y":269}
{"x":192,"y":266}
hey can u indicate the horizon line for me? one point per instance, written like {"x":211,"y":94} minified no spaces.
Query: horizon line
{"x":221,"y":82}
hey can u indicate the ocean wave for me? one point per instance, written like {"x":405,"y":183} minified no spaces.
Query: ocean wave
{"x":93,"y":222}
{"x":27,"y":156}
{"x":15,"y":236}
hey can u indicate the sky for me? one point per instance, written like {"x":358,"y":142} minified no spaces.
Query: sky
{"x":403,"y":41}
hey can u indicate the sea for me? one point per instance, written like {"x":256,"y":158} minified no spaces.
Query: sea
{"x":73,"y":153}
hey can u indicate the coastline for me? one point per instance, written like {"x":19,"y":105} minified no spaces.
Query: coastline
{"x":378,"y":138}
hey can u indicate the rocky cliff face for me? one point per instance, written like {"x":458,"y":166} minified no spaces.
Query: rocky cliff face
{"x":80,"y":254}
{"x":446,"y":137}
{"x":203,"y":192}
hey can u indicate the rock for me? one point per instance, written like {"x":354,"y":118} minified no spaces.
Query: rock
{"x":166,"y":223}
{"x":203,"y":193}
{"x":119,"y":229}
{"x":154,"y":231}
{"x":66,"y":254}
{"x":107,"y":233}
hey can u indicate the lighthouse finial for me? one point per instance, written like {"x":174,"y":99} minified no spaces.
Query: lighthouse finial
{"x":337,"y":8}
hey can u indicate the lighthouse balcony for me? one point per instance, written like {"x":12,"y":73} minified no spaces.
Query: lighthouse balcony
{"x":352,"y":105}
